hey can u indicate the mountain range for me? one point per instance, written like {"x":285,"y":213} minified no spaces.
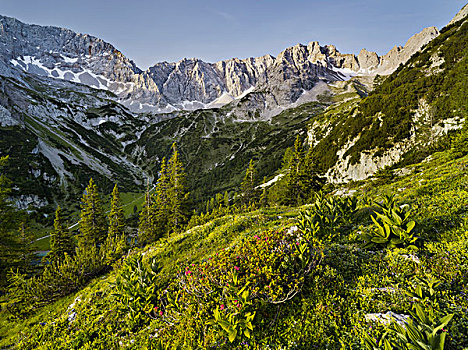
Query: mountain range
{"x":190,"y":83}
{"x":73,"y":106}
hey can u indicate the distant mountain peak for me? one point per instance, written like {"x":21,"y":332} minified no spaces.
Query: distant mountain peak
{"x":190,"y":83}
{"x":460,"y":15}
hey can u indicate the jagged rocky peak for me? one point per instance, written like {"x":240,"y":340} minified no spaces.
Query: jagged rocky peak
{"x":460,"y":15}
{"x":190,"y":83}
{"x":368,"y":60}
{"x":398,"y":54}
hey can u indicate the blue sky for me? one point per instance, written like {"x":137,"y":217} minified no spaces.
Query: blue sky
{"x":149,"y":31}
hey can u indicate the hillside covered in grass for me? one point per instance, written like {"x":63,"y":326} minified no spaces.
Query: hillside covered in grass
{"x":319,"y":276}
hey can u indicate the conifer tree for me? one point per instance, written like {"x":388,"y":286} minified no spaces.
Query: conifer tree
{"x":60,"y":238}
{"x":26,"y":250}
{"x":116,"y":215}
{"x":249,"y":192}
{"x":93,"y":226}
{"x":226,"y":199}
{"x":161,"y":203}
{"x":177,"y":194}
{"x":146,"y":226}
{"x":264,"y":196}
{"x":116,"y":242}
{"x":300,"y":180}
{"x":9,"y":220}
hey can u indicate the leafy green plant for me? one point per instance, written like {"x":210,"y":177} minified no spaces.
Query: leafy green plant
{"x":135,"y":287}
{"x":234,"y":318}
{"x":424,"y":331}
{"x":393,"y":227}
{"x":425,"y":289}
{"x":327,"y":216}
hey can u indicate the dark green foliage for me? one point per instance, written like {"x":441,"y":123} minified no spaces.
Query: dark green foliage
{"x":249,"y":193}
{"x":167,"y":210}
{"x":300,"y":180}
{"x":177,"y":194}
{"x":26,"y":254}
{"x":9,"y":223}
{"x":393,"y":227}
{"x":147,"y":230}
{"x":264,"y":196}
{"x":93,"y":226}
{"x":116,"y":215}
{"x":61,"y":242}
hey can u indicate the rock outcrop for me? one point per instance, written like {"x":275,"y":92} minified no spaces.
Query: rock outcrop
{"x":460,"y":15}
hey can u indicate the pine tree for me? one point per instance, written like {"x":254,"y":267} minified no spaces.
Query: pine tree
{"x":177,"y":194}
{"x":146,"y":226}
{"x":249,"y":192}
{"x":26,"y":251}
{"x":226,"y":199}
{"x":300,"y":180}
{"x":264,"y":196}
{"x":60,"y":238}
{"x":161,"y":203}
{"x":9,"y":221}
{"x":93,"y":226}
{"x":116,"y":215}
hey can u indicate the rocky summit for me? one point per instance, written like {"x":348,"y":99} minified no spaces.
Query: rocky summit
{"x":190,"y":83}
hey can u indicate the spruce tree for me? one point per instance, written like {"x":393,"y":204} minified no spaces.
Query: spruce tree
{"x":9,"y":221}
{"x":177,"y":194}
{"x":146,"y":226}
{"x":60,"y":238}
{"x":226,"y":199}
{"x":116,"y":215}
{"x":26,"y":250}
{"x":116,"y":242}
{"x":93,"y":226}
{"x":249,"y":192}
{"x":161,"y":203}
{"x":300,"y":181}
{"x":264,"y":196}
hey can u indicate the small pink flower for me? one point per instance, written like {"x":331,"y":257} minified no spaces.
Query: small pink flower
{"x":188,"y":272}
{"x":221,"y":307}
{"x":160,"y":313}
{"x":237,"y":268}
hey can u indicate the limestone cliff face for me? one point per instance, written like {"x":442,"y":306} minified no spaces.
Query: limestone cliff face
{"x":463,"y":13}
{"x":398,"y":55}
{"x":190,"y":83}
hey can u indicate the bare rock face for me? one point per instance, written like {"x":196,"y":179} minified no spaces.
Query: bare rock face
{"x":398,"y":55}
{"x":190,"y":83}
{"x":368,"y":60}
{"x":460,"y":15}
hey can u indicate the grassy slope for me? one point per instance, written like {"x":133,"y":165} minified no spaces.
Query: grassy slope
{"x":437,"y":189}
